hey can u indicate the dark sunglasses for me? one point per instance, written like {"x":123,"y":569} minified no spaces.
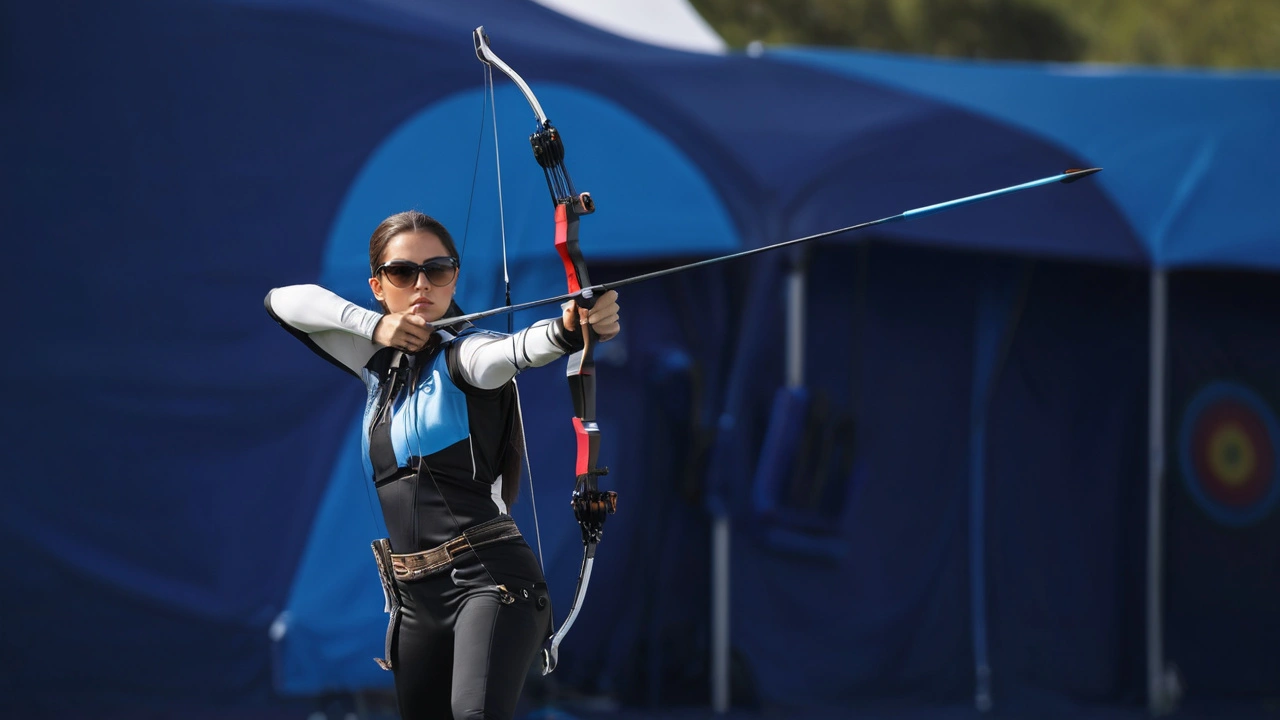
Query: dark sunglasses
{"x":440,"y":271}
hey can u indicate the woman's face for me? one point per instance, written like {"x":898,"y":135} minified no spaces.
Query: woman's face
{"x":419,"y":293}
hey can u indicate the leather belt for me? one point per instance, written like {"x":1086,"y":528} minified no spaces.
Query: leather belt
{"x":415,"y":566}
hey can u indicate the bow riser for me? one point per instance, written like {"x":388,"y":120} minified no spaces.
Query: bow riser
{"x":575,"y":267}
{"x":581,"y":367}
{"x":590,"y":505}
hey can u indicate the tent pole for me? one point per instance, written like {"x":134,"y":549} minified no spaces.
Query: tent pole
{"x":796,"y":281}
{"x":995,"y":319}
{"x":796,"y":287}
{"x":720,"y":613}
{"x":1158,"y":700}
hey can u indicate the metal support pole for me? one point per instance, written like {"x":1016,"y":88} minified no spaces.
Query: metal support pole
{"x":797,"y":280}
{"x":1158,"y":696}
{"x":720,"y":526}
{"x":720,"y":614}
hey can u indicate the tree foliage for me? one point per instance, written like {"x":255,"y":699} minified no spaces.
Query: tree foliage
{"x":1209,"y":33}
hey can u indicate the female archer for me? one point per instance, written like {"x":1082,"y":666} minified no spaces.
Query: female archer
{"x":442,"y":444}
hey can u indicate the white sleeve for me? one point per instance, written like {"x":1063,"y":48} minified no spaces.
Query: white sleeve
{"x":338,"y":330}
{"x":489,"y":360}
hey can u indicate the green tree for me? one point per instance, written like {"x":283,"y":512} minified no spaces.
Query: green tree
{"x":1211,"y":33}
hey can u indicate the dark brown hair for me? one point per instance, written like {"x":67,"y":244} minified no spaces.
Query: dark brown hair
{"x":408,"y":221}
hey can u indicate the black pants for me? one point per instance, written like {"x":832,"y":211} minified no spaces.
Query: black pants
{"x":464,"y":646}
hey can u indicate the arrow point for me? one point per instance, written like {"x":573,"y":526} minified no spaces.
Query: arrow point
{"x":1075,"y":174}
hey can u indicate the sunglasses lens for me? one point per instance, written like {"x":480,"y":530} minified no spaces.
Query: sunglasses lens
{"x":440,"y":275}
{"x":404,"y":275}
{"x":401,"y":275}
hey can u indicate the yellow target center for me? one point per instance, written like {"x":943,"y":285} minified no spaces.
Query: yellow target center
{"x":1231,"y":455}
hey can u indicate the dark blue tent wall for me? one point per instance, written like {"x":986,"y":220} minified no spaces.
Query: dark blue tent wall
{"x":1066,"y":518}
{"x":1065,"y":508}
{"x":1065,"y":504}
{"x":1224,"y":572}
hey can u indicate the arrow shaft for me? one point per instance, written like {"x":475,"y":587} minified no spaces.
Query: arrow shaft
{"x":1069,"y":176}
{"x":1066,"y":177}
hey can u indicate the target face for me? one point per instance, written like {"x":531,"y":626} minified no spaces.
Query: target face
{"x":1228,"y":453}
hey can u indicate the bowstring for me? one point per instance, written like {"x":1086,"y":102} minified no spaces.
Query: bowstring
{"x":416,"y":373}
{"x":475,"y":171}
{"x":502,"y":215}
{"x":466,"y":234}
{"x":414,"y":379}
{"x":533,"y":497}
{"x":506,"y":280}
{"x":371,"y":487}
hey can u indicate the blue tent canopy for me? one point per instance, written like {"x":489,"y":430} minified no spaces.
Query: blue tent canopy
{"x":1189,"y":155}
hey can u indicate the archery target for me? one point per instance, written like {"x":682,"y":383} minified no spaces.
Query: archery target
{"x":1228,"y":453}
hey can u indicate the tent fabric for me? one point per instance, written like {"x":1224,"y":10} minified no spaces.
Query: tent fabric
{"x":183,"y":467}
{"x":1064,"y":499}
{"x":1187,"y":153}
{"x":1224,"y":548}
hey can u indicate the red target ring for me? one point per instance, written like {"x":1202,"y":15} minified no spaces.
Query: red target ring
{"x":1228,"y":453}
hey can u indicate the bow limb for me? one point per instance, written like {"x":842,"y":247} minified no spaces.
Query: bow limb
{"x":591,"y":506}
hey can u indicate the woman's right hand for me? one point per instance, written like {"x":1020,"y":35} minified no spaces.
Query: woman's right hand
{"x":403,"y":331}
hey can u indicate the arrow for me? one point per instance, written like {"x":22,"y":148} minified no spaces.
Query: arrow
{"x":1068,"y":176}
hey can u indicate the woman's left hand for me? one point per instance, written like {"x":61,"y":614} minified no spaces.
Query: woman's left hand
{"x":603,"y":317}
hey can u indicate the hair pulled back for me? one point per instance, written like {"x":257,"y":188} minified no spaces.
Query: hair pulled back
{"x":407,"y":221}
